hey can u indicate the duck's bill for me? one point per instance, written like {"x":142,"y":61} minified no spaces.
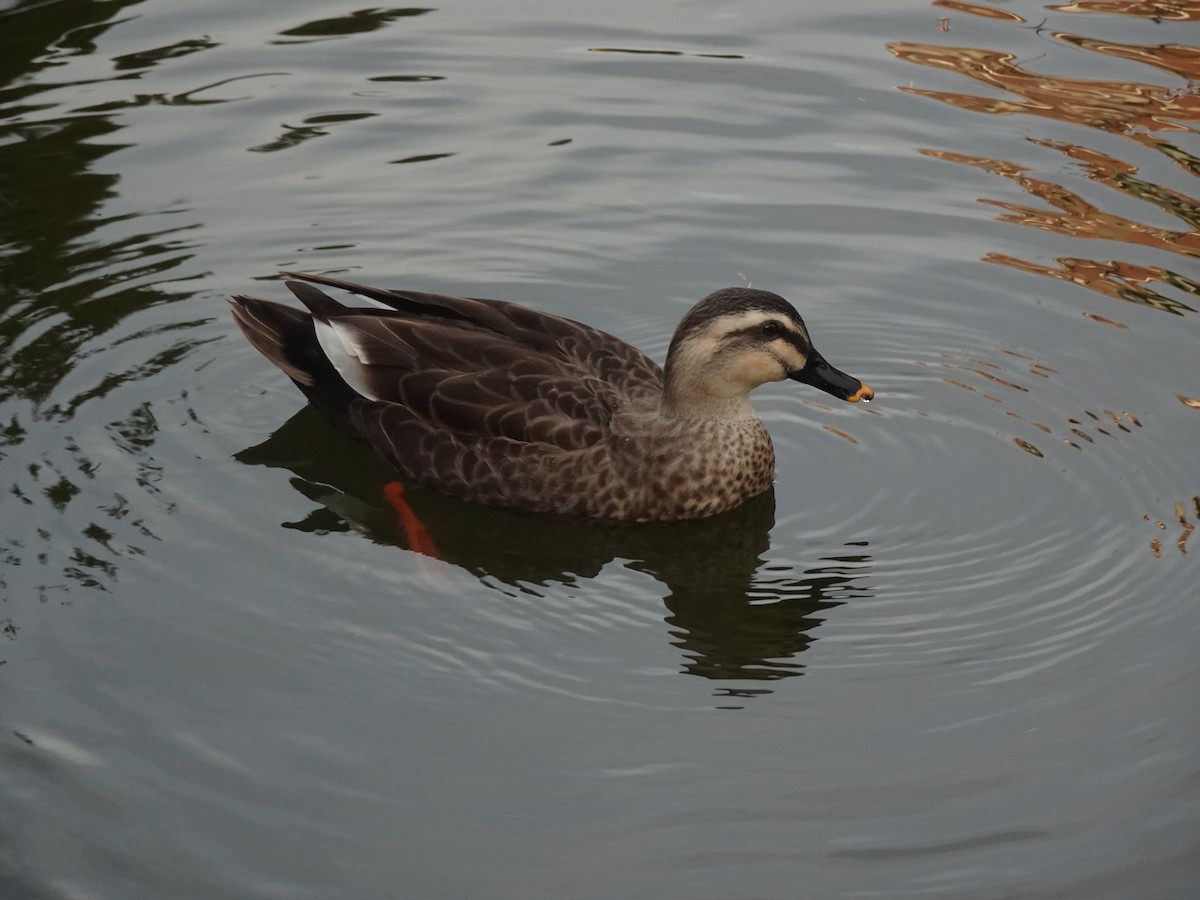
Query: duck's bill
{"x":825,"y":377}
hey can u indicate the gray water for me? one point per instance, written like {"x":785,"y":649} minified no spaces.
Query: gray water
{"x":952,"y":655}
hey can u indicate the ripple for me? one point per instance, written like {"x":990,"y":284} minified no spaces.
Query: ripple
{"x":978,"y":561}
{"x":1042,"y":597}
{"x":950,"y":611}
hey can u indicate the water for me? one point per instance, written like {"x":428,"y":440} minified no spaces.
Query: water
{"x":951,"y":655}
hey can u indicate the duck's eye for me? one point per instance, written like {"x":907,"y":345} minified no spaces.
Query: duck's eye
{"x":771,"y":329}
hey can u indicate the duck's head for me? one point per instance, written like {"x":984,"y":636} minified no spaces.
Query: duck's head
{"x":738,"y":338}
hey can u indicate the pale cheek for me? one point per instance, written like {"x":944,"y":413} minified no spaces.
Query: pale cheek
{"x":789,"y":358}
{"x":760,"y":368}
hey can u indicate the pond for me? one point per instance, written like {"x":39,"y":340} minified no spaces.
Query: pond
{"x":951,"y":654}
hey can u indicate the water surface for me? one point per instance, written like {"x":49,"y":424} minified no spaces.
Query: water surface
{"x":950,"y":655}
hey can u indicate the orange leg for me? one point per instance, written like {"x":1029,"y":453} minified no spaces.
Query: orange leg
{"x":418,"y":538}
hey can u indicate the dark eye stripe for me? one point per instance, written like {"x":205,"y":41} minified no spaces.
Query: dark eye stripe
{"x":797,"y":341}
{"x":755,"y":332}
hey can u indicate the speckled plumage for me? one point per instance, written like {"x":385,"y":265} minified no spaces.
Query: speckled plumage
{"x":501,"y":404}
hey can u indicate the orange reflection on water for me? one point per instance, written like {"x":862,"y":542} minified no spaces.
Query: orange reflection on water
{"x":1114,"y":106}
{"x":1104,"y":320}
{"x":1114,"y":173}
{"x":1080,"y":218}
{"x":1178,"y":10}
{"x":1139,"y":111}
{"x":1119,"y":280}
{"x":1181,"y":516}
{"x":975,"y":9}
{"x":1176,"y":58}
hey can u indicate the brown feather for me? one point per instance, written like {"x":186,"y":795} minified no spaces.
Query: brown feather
{"x":504,"y":404}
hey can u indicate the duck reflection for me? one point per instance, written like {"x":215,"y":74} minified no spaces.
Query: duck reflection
{"x":733,"y":614}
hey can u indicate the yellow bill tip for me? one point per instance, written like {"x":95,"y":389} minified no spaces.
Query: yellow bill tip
{"x":864,"y":393}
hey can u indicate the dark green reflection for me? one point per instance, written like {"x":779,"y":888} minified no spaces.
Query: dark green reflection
{"x":74,"y":274}
{"x":358,"y":22}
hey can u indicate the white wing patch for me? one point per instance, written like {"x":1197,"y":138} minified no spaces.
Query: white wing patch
{"x":342,"y":348}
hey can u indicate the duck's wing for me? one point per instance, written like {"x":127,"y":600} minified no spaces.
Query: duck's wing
{"x":579,"y":348}
{"x":480,"y":398}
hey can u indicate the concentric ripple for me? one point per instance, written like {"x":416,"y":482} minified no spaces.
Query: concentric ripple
{"x":1009,"y":516}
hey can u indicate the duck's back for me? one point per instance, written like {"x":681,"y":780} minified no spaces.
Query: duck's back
{"x":485,"y":400}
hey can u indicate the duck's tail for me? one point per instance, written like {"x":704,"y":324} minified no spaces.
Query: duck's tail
{"x":287,"y":338}
{"x":279,"y":333}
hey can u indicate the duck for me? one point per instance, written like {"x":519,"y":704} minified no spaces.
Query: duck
{"x":502,"y":404}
